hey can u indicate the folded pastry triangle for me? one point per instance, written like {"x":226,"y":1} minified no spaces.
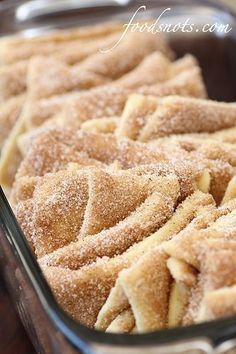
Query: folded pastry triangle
{"x":176,"y":115}
{"x":117,"y":302}
{"x":98,"y":201}
{"x":109,"y":100}
{"x":147,"y":285}
{"x":217,"y":271}
{"x":83,"y":292}
{"x":113,"y":197}
{"x":217,"y":304}
{"x":13,"y":77}
{"x":9,"y":113}
{"x":55,"y":148}
{"x":142,"y":222}
{"x":182,"y":246}
{"x":55,"y":77}
{"x":20,"y":48}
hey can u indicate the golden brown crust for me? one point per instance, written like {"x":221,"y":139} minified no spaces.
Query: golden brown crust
{"x":19,"y":48}
{"x":9,"y":113}
{"x":95,"y":204}
{"x":12,"y":80}
{"x":55,"y":148}
{"x":176,"y":115}
{"x":217,"y":304}
{"x":148,"y":291}
{"x":48,"y":77}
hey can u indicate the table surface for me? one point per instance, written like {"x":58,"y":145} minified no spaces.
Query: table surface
{"x":13,"y":338}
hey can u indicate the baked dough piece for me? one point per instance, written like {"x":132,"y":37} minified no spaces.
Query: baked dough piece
{"x":222,"y":135}
{"x":83,"y":292}
{"x":107,"y":102}
{"x":10,"y":155}
{"x":185,"y":278}
{"x":156,"y":68}
{"x":183,"y":245}
{"x":55,"y":148}
{"x":230,"y":192}
{"x":117,"y":301}
{"x":137,"y":110}
{"x":123,"y":323}
{"x":217,"y":271}
{"x":214,"y":156}
{"x":14,"y":49}
{"x":95,"y":204}
{"x":13,"y":78}
{"x":177,"y":115}
{"x":58,"y":78}
{"x":148,"y":291}
{"x":101,"y":125}
{"x":137,"y":226}
{"x":174,"y":115}
{"x":218,"y":304}
{"x":9,"y":113}
{"x":100,"y":68}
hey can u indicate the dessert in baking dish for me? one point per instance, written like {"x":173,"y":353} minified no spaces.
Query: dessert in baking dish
{"x":122,"y":176}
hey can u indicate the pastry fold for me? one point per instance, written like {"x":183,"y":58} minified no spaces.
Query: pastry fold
{"x":100,"y":202}
{"x":83,"y":292}
{"x":174,"y":115}
{"x":16,"y":49}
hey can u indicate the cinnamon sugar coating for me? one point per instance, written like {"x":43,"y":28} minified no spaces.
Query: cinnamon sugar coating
{"x":91,"y":189}
{"x":183,"y":77}
{"x":110,"y":100}
{"x":122,"y":177}
{"x":175,"y":115}
{"x":9,"y":113}
{"x":19,"y":48}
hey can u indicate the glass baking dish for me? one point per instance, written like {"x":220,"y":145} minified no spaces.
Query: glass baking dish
{"x":50,"y":329}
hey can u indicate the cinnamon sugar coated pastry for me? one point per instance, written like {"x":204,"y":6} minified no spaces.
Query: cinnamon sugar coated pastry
{"x":122,"y":175}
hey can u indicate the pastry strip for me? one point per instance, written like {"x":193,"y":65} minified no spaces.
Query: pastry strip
{"x":148,"y":291}
{"x":96,"y":70}
{"x":13,"y":78}
{"x":217,"y":270}
{"x":183,"y":215}
{"x":123,"y":323}
{"x":182,"y":246}
{"x":9,"y":113}
{"x":176,"y":115}
{"x":108,"y":101}
{"x":14,"y":49}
